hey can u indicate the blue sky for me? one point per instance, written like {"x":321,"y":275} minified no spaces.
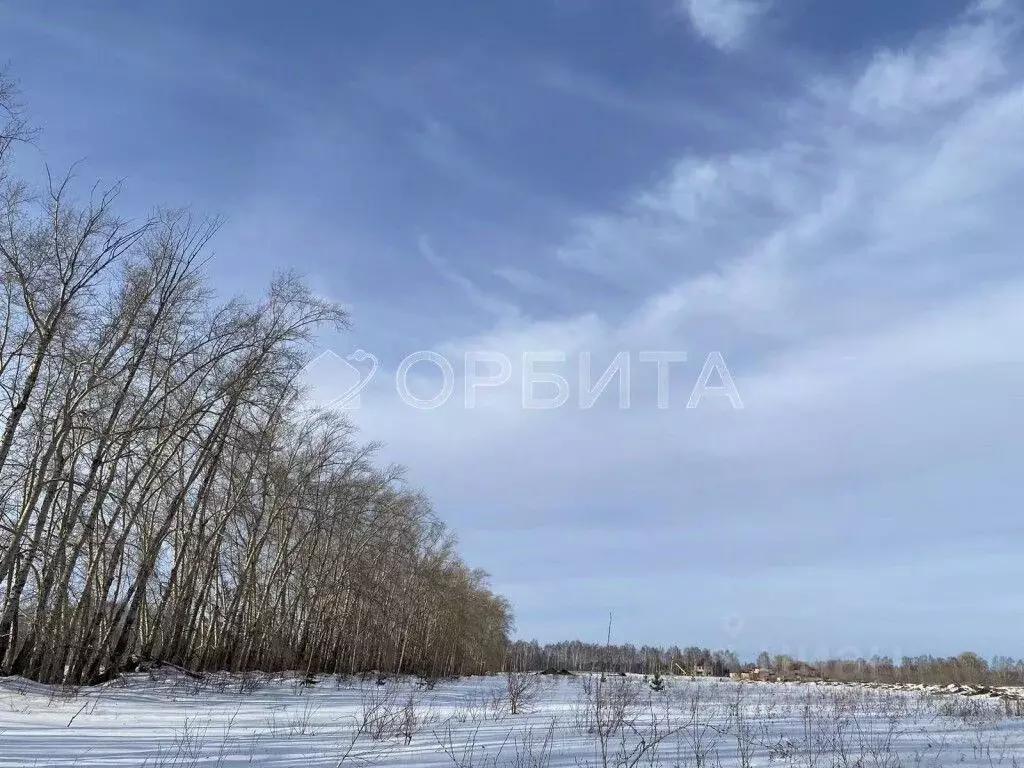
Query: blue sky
{"x":827,"y":193}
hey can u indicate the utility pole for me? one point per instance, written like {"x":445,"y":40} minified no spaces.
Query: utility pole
{"x":607,"y":648}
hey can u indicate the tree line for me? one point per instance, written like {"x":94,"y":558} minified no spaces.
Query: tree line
{"x":967,"y":668}
{"x":576,"y":655}
{"x":167,"y":490}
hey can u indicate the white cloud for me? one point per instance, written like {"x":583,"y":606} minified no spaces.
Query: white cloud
{"x":966,"y":59}
{"x":838,"y":218}
{"x":724,"y":23}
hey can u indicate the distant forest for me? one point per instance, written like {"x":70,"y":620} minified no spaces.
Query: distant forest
{"x":576,"y":655}
{"x":967,"y":668}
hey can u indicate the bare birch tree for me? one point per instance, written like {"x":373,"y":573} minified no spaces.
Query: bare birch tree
{"x":166,"y":491}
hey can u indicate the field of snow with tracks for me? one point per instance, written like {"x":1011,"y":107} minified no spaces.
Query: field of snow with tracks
{"x":166,"y":719}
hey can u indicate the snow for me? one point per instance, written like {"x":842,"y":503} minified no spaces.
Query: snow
{"x":172,"y":720}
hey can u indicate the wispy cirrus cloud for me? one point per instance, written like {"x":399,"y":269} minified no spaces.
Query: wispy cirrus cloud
{"x":479,"y":298}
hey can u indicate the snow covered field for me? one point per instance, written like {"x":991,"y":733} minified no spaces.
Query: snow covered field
{"x":572,"y":721}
